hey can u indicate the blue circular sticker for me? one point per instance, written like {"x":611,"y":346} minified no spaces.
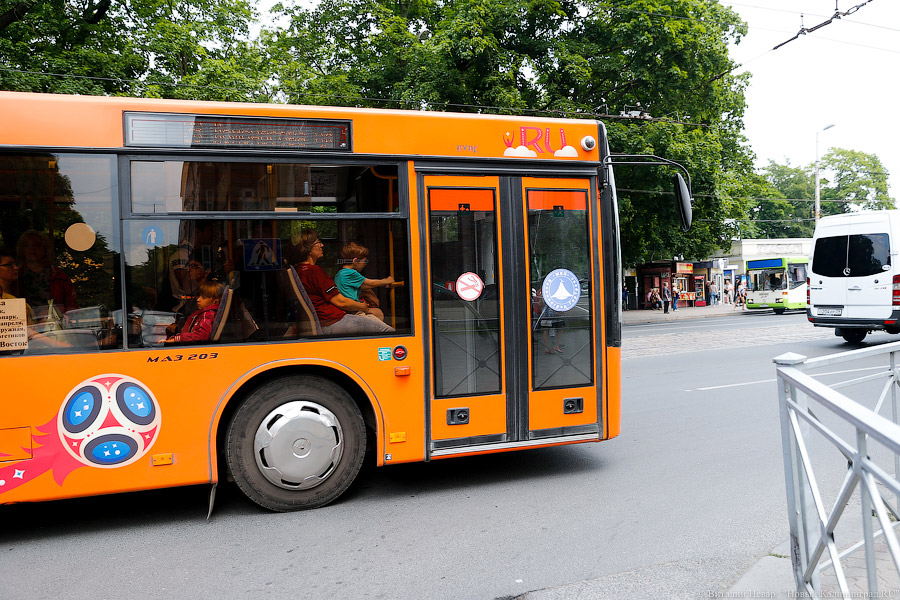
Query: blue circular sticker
{"x":561,"y":290}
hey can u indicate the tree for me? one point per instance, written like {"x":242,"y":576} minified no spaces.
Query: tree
{"x":551,"y":57}
{"x":848,"y":180}
{"x":572,"y":58}
{"x":857,"y":179}
{"x":784,"y":207}
{"x":198,"y":49}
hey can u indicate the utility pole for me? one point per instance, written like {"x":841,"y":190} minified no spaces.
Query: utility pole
{"x":817,"y":168}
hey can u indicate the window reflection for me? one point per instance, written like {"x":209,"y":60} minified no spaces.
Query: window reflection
{"x":858,"y":255}
{"x":560,"y":275}
{"x":57,"y":227}
{"x":160,"y":187}
{"x":466,"y":326}
{"x":167,"y":263}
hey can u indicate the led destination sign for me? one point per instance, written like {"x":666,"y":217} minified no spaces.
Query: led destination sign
{"x":155,"y":130}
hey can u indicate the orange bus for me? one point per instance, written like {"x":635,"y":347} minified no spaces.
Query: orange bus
{"x":176,"y":310}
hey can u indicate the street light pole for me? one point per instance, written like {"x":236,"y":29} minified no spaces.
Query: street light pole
{"x":817,"y":168}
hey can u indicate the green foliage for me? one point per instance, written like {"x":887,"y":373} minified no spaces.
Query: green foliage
{"x":136,"y":48}
{"x":557,"y":58}
{"x":848,"y":180}
{"x":858,"y":179}
{"x":784,"y":209}
{"x":573,"y":58}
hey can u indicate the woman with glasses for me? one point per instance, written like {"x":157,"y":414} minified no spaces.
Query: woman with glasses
{"x":333,"y":308}
{"x":9,"y":273}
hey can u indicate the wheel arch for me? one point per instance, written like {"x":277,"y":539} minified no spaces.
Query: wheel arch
{"x":340,"y":374}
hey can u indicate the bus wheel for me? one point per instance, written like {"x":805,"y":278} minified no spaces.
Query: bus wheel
{"x":778,"y":311}
{"x":296,"y":443}
{"x":854,"y":336}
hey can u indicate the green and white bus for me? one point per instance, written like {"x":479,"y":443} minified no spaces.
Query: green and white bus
{"x":777,"y":283}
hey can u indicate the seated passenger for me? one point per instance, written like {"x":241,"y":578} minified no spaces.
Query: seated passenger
{"x":40,"y":283}
{"x":8,"y":274}
{"x":333,"y":308}
{"x":198,"y":326}
{"x":197,"y":273}
{"x":350,"y":279}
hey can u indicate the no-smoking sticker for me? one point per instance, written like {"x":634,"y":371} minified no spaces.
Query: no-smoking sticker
{"x":469,"y":286}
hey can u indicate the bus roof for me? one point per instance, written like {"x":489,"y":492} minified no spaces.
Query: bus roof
{"x":97,"y":122}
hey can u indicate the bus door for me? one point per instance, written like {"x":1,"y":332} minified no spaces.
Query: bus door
{"x":513,"y":288}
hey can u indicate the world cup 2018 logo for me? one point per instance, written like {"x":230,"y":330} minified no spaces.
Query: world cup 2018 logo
{"x":108,"y":421}
{"x":105,"y":422}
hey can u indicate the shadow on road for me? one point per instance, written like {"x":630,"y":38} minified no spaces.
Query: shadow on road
{"x":106,"y":515}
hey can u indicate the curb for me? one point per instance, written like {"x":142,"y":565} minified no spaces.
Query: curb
{"x":666,"y":318}
{"x":771,"y":577}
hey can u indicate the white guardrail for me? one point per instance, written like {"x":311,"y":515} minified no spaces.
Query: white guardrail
{"x":857,"y":441}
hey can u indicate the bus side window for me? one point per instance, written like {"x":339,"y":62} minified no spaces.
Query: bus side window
{"x":271,"y":303}
{"x":56,"y":227}
{"x":386,"y":242}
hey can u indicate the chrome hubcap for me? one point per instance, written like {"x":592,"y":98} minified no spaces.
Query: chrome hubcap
{"x":298,"y":445}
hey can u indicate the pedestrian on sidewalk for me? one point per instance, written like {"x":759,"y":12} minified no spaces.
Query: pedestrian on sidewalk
{"x":666,"y":297}
{"x":655,"y":299}
{"x":675,"y":295}
{"x":713,"y":293}
{"x":728,"y":291}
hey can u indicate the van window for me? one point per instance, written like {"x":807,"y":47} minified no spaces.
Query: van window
{"x":852,"y":255}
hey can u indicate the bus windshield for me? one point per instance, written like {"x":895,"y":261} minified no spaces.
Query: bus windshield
{"x":768,"y":279}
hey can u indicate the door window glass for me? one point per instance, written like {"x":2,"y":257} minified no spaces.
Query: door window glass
{"x":561,"y":290}
{"x":868,"y":254}
{"x":465,"y":300}
{"x":858,"y":255}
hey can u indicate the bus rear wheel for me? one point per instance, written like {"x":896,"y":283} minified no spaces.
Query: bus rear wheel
{"x":854,"y":336}
{"x":778,"y":311}
{"x":296,"y":443}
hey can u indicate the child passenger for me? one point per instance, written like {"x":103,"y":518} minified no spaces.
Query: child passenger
{"x":350,"y":279}
{"x":198,"y":326}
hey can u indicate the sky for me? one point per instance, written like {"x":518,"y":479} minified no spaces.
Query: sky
{"x":845,"y":74}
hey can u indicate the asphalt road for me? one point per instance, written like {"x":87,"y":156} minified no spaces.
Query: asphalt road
{"x":680,"y":505}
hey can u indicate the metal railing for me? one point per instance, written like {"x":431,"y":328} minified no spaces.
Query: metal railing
{"x":812,"y":415}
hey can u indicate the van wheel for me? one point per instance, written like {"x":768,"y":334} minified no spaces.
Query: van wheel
{"x":778,"y":311}
{"x":854,"y":336}
{"x":296,"y":443}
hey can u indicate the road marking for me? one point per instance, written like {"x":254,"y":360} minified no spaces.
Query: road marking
{"x":730,"y":385}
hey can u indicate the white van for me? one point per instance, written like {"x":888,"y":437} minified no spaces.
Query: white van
{"x":854,"y":275}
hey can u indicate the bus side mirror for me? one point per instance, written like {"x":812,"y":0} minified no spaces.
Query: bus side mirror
{"x":683,"y":202}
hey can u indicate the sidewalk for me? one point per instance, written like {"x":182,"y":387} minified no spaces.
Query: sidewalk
{"x":631,"y":317}
{"x":772,"y":576}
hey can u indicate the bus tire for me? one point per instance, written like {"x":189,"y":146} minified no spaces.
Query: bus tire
{"x":778,"y":311}
{"x":296,"y":443}
{"x":854,"y":336}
